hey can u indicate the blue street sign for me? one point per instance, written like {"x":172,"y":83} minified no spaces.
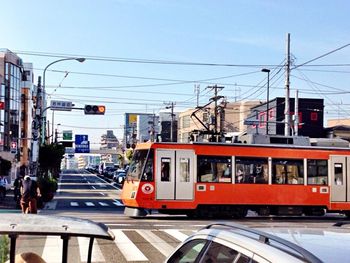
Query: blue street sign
{"x":82,"y":144}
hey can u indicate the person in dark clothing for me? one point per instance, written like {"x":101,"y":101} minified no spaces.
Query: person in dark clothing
{"x":29,"y":191}
{"x":17,"y":190}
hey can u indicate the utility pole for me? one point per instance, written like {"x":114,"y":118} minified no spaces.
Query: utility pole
{"x":196,"y":91}
{"x":215,"y":99}
{"x":222,"y":120}
{"x":296,"y":114}
{"x":36,"y":127}
{"x":286,"y":106}
{"x":152,"y":131}
{"x":171,"y":106}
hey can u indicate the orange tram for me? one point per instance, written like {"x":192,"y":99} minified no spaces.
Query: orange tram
{"x":228,"y":179}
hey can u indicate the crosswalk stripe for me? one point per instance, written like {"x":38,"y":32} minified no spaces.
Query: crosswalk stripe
{"x":157,"y":242}
{"x":103,"y":204}
{"x":84,"y":247}
{"x":53,"y":249}
{"x":74,"y":204}
{"x":89,"y":203}
{"x":127,"y":247}
{"x":176,"y":233}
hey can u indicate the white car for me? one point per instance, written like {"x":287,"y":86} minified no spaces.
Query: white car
{"x":236,"y":243}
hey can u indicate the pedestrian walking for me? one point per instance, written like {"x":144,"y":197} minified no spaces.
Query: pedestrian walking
{"x":3,"y":184}
{"x":30,"y":192}
{"x":17,"y":189}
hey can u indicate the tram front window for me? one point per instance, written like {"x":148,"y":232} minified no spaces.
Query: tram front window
{"x":137,"y":164}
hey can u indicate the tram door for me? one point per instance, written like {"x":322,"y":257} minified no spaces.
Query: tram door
{"x":174,"y":174}
{"x":340,"y":178}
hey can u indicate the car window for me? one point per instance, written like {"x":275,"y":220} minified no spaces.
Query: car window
{"x":188,"y":252}
{"x":245,"y":259}
{"x":220,"y":253}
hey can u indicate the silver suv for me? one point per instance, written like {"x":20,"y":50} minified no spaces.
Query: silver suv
{"x":224,"y":243}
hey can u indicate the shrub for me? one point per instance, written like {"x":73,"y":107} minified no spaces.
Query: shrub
{"x":48,"y":186}
{"x":4,"y":248}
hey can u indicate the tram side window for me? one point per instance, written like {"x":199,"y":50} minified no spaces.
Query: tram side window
{"x":317,"y":172}
{"x":165,"y":170}
{"x":214,"y":169}
{"x":184,"y":169}
{"x":338,"y":174}
{"x":287,"y":171}
{"x":251,"y":170}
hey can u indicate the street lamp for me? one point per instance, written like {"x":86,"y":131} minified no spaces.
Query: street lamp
{"x":267,"y":99}
{"x":56,"y":132}
{"x":81,"y":60}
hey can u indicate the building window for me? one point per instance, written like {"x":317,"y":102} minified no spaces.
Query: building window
{"x":205,"y":117}
{"x":262,"y":119}
{"x":314,"y":116}
{"x":251,"y":170}
{"x":186,"y":122}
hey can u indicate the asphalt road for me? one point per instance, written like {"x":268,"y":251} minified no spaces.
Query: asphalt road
{"x":151,"y":239}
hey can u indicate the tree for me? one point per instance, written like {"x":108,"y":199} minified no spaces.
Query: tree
{"x":50,"y":157}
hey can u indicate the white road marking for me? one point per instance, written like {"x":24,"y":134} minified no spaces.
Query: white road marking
{"x":127,"y":247}
{"x":176,"y":233}
{"x":89,"y":204}
{"x":116,"y":224}
{"x":53,"y":249}
{"x":93,"y":187}
{"x":102,"y":194}
{"x":84,"y":247}
{"x":74,"y":204}
{"x":103,"y":204}
{"x":157,"y":242}
{"x":118,"y":203}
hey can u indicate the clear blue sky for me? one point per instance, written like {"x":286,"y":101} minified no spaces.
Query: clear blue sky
{"x":240,"y":32}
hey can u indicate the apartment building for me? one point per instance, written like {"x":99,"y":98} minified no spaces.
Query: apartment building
{"x":231,"y":119}
{"x":11,"y":71}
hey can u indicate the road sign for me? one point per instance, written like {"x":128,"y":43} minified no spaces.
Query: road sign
{"x":69,"y":150}
{"x":67,"y":135}
{"x":61,"y":105}
{"x":82,"y":144}
{"x":13,"y":147}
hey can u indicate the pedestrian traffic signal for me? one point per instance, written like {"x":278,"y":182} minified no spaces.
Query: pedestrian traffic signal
{"x":95,"y":109}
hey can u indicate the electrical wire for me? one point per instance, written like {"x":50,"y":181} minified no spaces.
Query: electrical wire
{"x":137,"y":60}
{"x":319,"y":57}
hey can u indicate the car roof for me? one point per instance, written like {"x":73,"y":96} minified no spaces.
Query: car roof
{"x":267,"y":246}
{"x":34,"y":224}
{"x":44,"y":225}
{"x":330,"y":244}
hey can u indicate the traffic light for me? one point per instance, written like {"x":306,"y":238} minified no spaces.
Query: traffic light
{"x":95,"y":109}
